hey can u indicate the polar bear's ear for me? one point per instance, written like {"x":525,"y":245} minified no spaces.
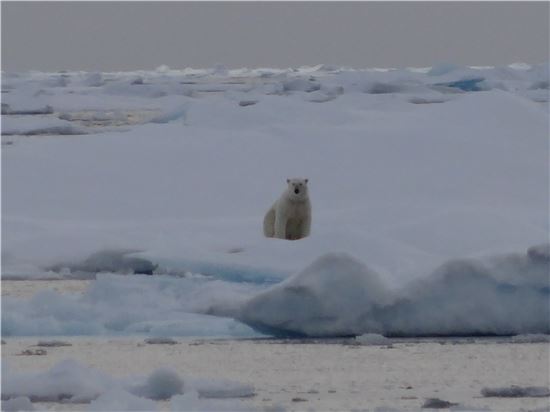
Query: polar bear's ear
{"x":306,"y":180}
{"x":288,"y":180}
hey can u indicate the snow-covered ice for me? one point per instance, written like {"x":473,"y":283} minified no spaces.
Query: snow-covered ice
{"x":435,"y":180}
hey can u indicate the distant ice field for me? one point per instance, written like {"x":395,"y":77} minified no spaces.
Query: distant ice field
{"x":169,"y":173}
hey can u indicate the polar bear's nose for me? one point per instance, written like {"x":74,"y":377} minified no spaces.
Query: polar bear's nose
{"x":296,"y":190}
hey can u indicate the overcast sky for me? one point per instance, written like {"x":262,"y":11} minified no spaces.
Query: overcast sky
{"x":143,"y":35}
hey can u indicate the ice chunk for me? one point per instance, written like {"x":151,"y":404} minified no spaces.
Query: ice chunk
{"x":372,"y":339}
{"x":161,"y":384}
{"x":66,"y":381}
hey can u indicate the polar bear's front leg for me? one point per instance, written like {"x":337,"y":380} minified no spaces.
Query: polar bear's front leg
{"x":280,"y":226}
{"x":306,"y":226}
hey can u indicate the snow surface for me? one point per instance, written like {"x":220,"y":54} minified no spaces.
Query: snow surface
{"x":191,"y":401}
{"x":329,"y":374}
{"x":409,"y":170}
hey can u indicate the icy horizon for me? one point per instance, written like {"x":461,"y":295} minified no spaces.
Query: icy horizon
{"x":236,"y":70}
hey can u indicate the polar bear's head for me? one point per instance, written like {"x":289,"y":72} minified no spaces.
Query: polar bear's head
{"x":297,"y":189}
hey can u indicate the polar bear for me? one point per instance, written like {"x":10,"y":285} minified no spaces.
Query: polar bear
{"x":290,"y":216}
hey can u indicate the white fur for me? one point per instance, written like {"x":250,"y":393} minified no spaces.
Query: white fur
{"x":290,"y":216}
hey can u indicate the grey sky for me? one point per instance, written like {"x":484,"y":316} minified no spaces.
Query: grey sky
{"x":143,"y":35}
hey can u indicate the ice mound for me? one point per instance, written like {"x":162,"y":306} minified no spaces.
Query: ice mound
{"x":161,"y":384}
{"x":339,"y":296}
{"x":331,"y":297}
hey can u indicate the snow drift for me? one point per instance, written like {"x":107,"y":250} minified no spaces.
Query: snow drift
{"x":337,"y":296}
